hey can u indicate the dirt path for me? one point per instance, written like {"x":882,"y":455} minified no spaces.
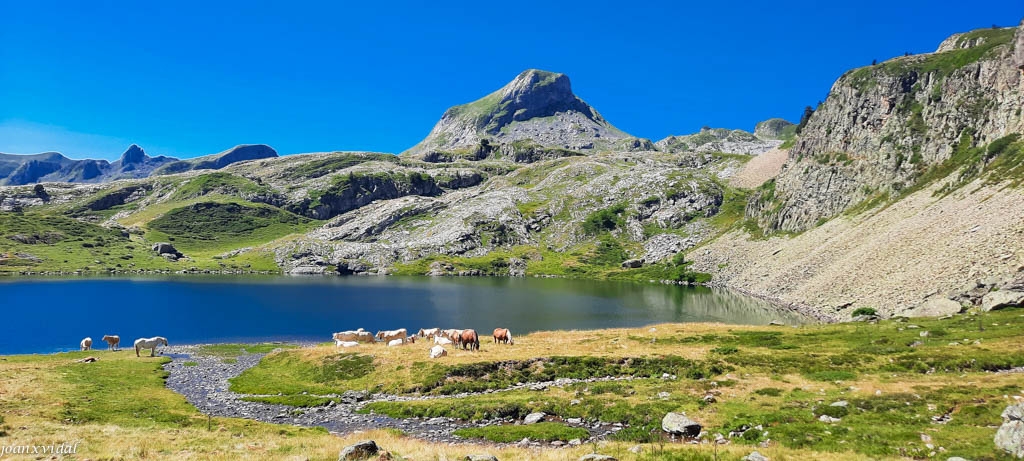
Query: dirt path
{"x":206,"y":386}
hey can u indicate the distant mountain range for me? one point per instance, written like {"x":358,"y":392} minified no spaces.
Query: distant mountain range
{"x":16,"y":170}
{"x":535,"y":116}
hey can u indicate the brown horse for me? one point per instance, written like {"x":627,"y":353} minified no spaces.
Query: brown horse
{"x":502,"y":335}
{"x":471,"y":339}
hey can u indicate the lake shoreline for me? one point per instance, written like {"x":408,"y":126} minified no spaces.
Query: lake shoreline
{"x":804,"y":310}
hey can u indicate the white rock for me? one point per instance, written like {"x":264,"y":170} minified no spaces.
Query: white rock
{"x":437,"y":352}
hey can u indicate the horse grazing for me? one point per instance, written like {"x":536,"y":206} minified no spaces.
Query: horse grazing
{"x":503,"y":335}
{"x":86,"y":344}
{"x":428,"y":333}
{"x":149,"y":343}
{"x":113,"y":341}
{"x":396,"y":342}
{"x":453,"y":335}
{"x":357,"y":335}
{"x":469,"y":338}
{"x":389,"y":335}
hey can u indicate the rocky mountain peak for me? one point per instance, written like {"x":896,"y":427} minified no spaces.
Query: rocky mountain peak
{"x":134,"y":154}
{"x":537,"y":93}
{"x":537,"y":108}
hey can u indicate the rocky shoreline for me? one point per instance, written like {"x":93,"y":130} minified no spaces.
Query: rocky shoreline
{"x":203,"y":381}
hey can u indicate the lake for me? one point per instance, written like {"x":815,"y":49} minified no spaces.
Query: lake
{"x":50,"y":315}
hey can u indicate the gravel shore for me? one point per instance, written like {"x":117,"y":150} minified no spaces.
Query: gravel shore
{"x":205,"y":385}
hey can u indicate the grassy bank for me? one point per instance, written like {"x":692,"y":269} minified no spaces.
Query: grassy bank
{"x":889,"y":382}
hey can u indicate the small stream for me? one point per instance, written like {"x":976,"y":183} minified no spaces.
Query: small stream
{"x":206,"y":386}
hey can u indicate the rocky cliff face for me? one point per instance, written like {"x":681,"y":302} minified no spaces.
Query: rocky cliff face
{"x":536,"y":108}
{"x":885,"y":127}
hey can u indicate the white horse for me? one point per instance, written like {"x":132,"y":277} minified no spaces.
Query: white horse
{"x":86,"y":344}
{"x":441,"y":340}
{"x":149,"y":343}
{"x":428,"y":333}
{"x":113,"y":341}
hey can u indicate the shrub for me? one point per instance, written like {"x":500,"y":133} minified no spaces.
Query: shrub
{"x":604,"y":220}
{"x":769,"y":391}
{"x":863,"y":311}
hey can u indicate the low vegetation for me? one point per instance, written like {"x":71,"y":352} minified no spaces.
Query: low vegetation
{"x":544,"y":432}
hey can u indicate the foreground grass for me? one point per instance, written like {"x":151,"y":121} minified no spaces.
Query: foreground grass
{"x":235,"y":350}
{"x":545,"y":432}
{"x":893,"y":378}
{"x":118,"y":408}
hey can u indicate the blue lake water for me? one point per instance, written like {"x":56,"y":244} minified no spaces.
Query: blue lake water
{"x":50,"y":315}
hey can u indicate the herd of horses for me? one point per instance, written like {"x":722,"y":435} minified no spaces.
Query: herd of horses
{"x":465,"y":338}
{"x":114,"y":343}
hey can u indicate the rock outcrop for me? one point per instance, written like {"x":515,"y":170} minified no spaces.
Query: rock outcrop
{"x":532,"y":117}
{"x":774,"y":128}
{"x":723,"y":140}
{"x":678,"y":424}
{"x":359,"y":451}
{"x":884,"y":128}
{"x":1010,"y":436}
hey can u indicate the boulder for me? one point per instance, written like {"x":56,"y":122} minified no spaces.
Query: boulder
{"x":1000,"y":299}
{"x":935,"y":307}
{"x":164,"y":248}
{"x":597,"y":457}
{"x":516,"y":267}
{"x":755,"y":456}
{"x":678,"y":424}
{"x":632,"y":263}
{"x":361,"y":450}
{"x":1010,"y":436}
{"x":437,"y":352}
{"x":534,"y":418}
{"x":483,"y":457}
{"x":167,"y":251}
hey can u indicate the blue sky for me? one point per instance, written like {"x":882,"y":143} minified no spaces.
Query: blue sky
{"x":191,"y":78}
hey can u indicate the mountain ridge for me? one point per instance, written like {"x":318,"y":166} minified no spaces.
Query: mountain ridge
{"x":134,"y":163}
